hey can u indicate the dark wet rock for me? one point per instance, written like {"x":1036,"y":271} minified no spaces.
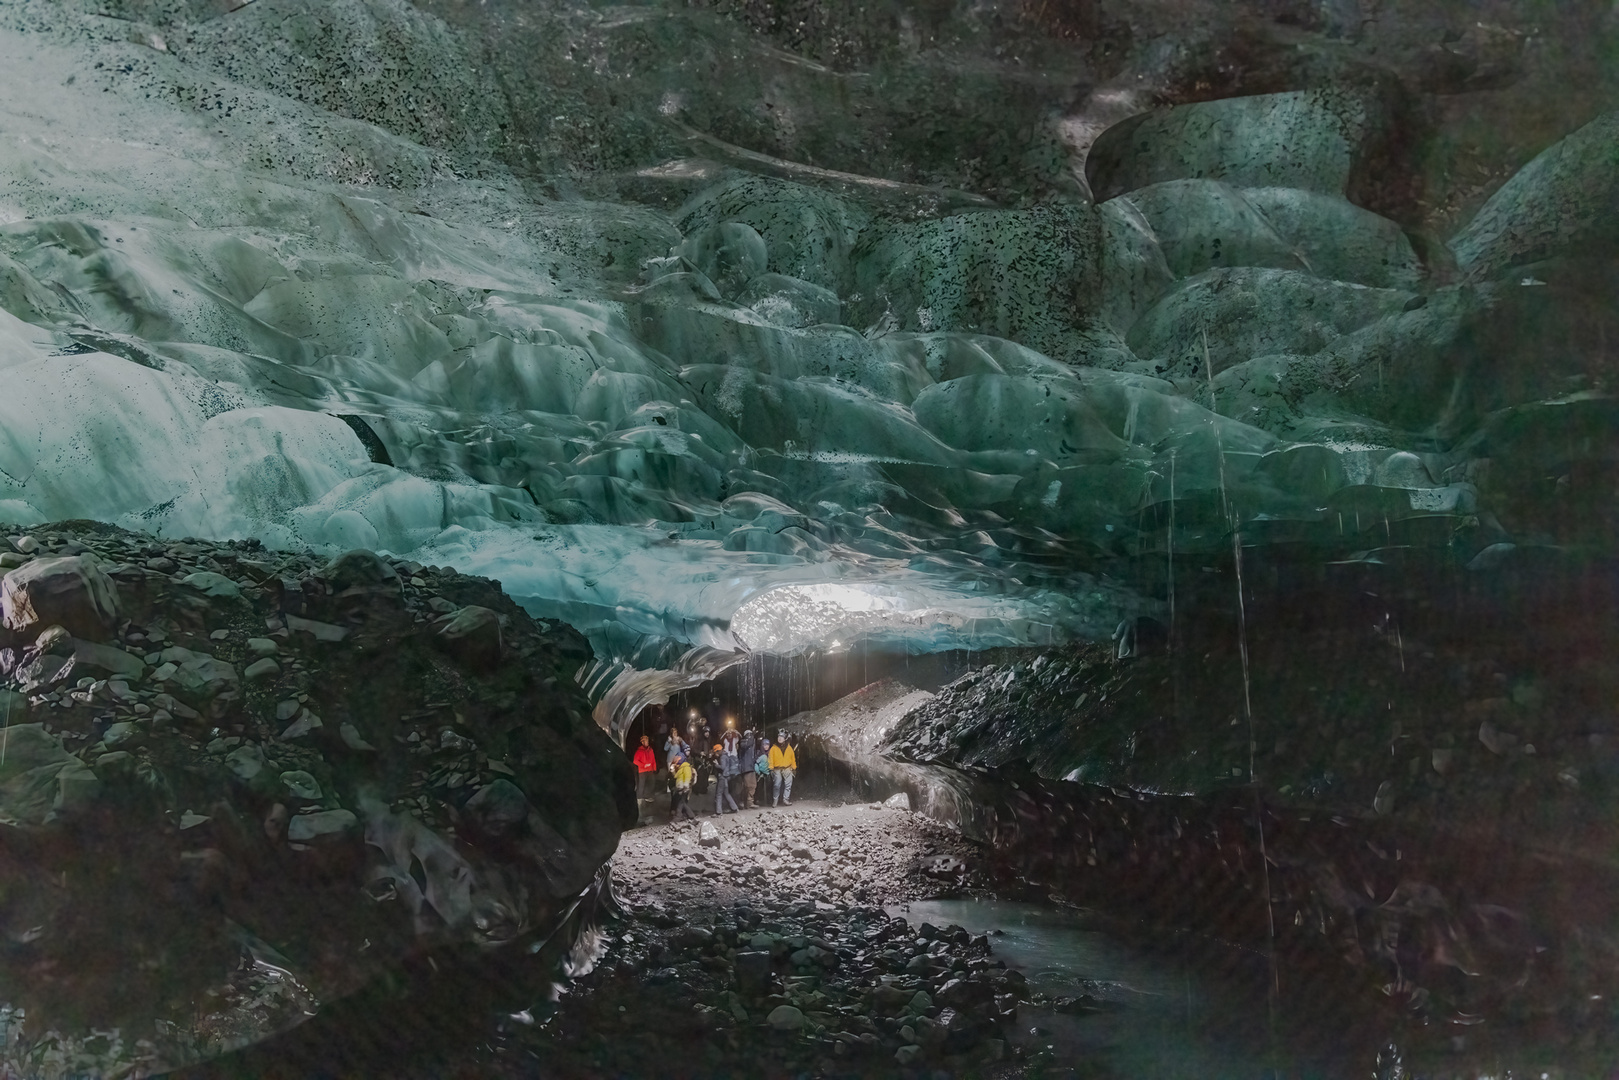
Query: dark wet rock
{"x":353,"y":739}
{"x":305,"y":724}
{"x":473,"y":635}
{"x":359,"y":568}
{"x":786,"y":1018}
{"x":261,"y":669}
{"x":40,"y":782}
{"x":322,"y":827}
{"x":72,"y":592}
{"x":107,"y":660}
{"x":499,"y":809}
{"x":13,"y":706}
{"x":299,"y":784}
{"x":753,"y":970}
{"x":458,"y":806}
{"x":210,"y":584}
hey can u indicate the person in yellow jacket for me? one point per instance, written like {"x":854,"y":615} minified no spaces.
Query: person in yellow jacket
{"x":678,"y":806}
{"x":783,"y":764}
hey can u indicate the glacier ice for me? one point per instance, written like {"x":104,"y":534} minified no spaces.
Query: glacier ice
{"x":777,"y":417}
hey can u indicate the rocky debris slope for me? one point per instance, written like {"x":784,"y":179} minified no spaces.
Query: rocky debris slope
{"x":1425,"y":791}
{"x":774,"y":939}
{"x":239,"y":784}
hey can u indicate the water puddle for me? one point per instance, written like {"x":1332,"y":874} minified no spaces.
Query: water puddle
{"x":1129,"y":1014}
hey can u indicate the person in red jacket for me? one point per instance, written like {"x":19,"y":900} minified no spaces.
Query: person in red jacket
{"x":646,"y":768}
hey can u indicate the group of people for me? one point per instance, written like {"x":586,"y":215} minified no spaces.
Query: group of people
{"x":746,"y":768}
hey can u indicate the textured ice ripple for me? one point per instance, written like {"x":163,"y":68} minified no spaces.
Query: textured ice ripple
{"x":691,"y":453}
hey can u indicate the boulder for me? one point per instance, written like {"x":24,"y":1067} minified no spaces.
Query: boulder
{"x":125,"y":733}
{"x":40,"y":782}
{"x":247,"y":763}
{"x":499,"y":809}
{"x":306,"y":723}
{"x":352,"y":738}
{"x":361,"y":568}
{"x":786,"y":1018}
{"x":204,"y":677}
{"x":264,"y":668}
{"x":321,"y":827}
{"x":210,"y":584}
{"x":107,"y":658}
{"x":70,"y":591}
{"x":472,"y":635}
{"x":301,"y":786}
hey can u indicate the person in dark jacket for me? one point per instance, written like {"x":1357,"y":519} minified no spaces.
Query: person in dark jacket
{"x":747,"y":755}
{"x":730,"y":766}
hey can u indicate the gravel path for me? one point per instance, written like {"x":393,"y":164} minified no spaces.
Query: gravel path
{"x":835,"y":854}
{"x":767,"y":952}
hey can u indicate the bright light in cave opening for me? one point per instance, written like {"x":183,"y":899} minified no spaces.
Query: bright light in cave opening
{"x":792,"y":618}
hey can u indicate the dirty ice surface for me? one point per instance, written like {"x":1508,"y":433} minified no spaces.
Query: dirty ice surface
{"x":771,"y":419}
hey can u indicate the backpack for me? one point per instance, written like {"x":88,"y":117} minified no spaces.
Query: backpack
{"x":683,"y":776}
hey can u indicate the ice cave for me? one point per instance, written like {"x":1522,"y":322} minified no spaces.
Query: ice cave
{"x":916,"y":539}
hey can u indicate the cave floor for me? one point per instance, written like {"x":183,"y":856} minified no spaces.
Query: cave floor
{"x":839,"y":854}
{"x":667,"y":997}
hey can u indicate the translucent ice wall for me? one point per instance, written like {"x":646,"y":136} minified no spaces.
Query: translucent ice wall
{"x":782,"y":416}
